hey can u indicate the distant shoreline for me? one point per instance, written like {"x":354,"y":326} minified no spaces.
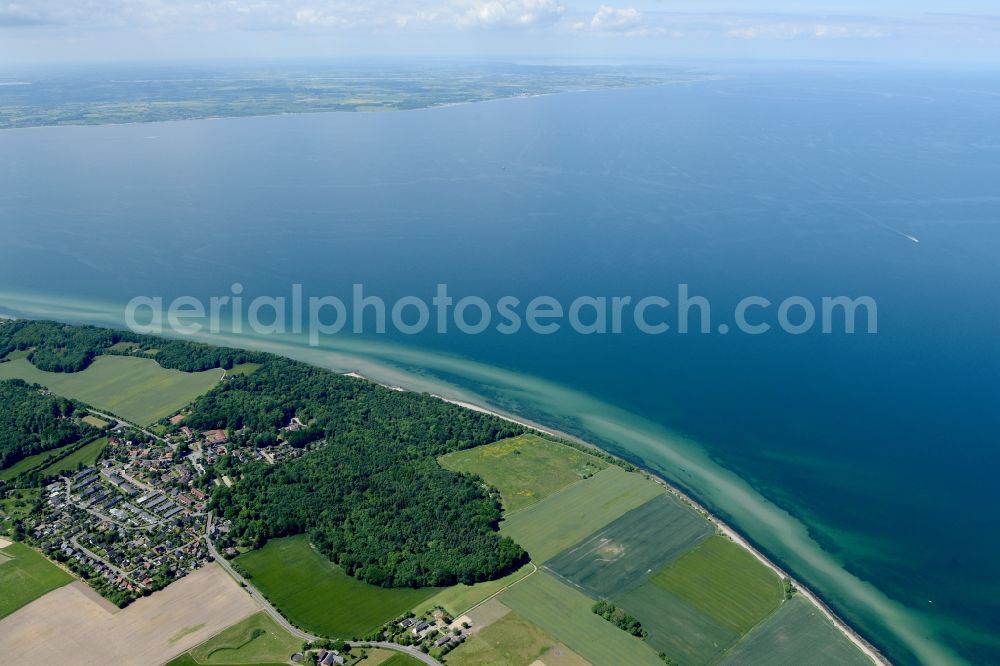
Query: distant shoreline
{"x":360,"y":109}
{"x":852,"y":635}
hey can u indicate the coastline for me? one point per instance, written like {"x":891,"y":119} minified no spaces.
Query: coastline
{"x":659,"y":451}
{"x":847,"y":630}
{"x":427,"y":107}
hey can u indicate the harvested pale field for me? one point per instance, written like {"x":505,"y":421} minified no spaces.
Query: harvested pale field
{"x":510,"y":641}
{"x":153,"y":630}
{"x":486,"y":614}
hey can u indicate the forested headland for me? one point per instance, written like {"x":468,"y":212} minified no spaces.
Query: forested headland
{"x":369,"y":492}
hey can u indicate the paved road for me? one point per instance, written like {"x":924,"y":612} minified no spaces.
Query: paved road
{"x":121,"y":422}
{"x":286,"y":625}
{"x":94,"y":556}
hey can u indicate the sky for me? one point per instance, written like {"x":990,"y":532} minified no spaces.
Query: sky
{"x":963,"y":31}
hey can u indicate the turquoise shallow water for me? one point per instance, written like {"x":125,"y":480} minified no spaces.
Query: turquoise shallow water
{"x":862,"y":463}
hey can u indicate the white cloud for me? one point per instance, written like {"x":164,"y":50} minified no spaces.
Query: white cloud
{"x":318,"y":18}
{"x":611,"y":19}
{"x":508,"y":13}
{"x":798,"y":30}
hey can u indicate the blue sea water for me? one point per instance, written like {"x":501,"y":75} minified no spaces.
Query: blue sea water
{"x":877,"y":453}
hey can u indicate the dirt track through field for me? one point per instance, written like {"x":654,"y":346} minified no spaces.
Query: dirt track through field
{"x":68,"y":626}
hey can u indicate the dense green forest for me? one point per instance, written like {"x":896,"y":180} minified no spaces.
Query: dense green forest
{"x":59,"y":347}
{"x":32,"y":421}
{"x":372,"y":498}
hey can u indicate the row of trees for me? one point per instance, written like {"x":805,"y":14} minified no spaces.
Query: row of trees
{"x":618,"y":617}
{"x":32,"y":421}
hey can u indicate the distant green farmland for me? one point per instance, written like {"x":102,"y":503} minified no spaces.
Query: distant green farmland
{"x":682,"y":632}
{"x":724,"y":581}
{"x":136,"y":389}
{"x":797,"y":634}
{"x":524,"y":469}
{"x":565,"y":614}
{"x":316,"y":595}
{"x":577,"y":511}
{"x":26,"y":575}
{"x":622,"y":554}
{"x":85,"y":456}
{"x":256,"y":640}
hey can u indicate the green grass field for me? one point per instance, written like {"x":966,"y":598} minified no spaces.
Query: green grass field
{"x":85,"y":456}
{"x":187,"y":660}
{"x":400,"y":659}
{"x":524,"y":469}
{"x":136,"y":389}
{"x":724,"y":581}
{"x":566,"y":517}
{"x":318,"y":596}
{"x":621,"y":555}
{"x":256,"y":640}
{"x":26,"y":575}
{"x":29,"y":463}
{"x":797,"y":634}
{"x":677,"y":629}
{"x":243,"y":369}
{"x":96,"y":422}
{"x":459,"y":598}
{"x":510,"y":640}
{"x":565,"y":614}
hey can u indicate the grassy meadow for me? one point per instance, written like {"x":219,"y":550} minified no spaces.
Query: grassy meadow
{"x":459,"y":598}
{"x":25,"y":575}
{"x":524,"y":469}
{"x":136,"y":389}
{"x":96,"y":422}
{"x":316,"y":595}
{"x":85,"y":456}
{"x":566,"y":517}
{"x":400,"y":659}
{"x":256,"y":640}
{"x":31,"y":462}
